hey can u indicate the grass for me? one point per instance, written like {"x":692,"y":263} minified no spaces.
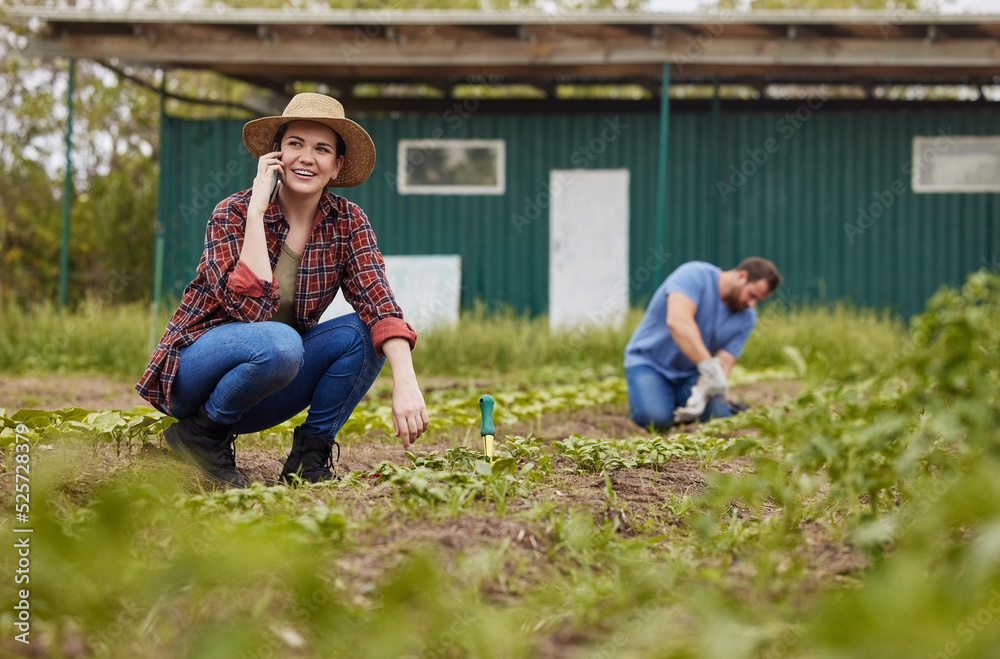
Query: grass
{"x":486,"y":344}
{"x":92,"y":339}
{"x":838,"y":342}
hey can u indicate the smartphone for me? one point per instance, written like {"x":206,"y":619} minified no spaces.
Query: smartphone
{"x":277,"y":177}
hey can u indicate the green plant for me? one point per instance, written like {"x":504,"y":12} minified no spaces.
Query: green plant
{"x":591,"y":455}
{"x":107,"y":426}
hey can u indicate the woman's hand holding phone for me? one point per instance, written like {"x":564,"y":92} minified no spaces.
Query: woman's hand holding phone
{"x":267,"y":181}
{"x":277,"y":175}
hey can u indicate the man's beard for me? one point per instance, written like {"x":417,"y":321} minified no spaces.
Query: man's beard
{"x":733,"y":300}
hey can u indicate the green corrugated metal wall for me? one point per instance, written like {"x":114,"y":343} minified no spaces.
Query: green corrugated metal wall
{"x":201,"y":163}
{"x":822,"y":166}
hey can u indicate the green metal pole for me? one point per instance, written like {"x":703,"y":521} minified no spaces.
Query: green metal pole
{"x":154,"y":326}
{"x":67,"y":192}
{"x":661,"y":188}
{"x":158,"y":263}
{"x":714,"y":146}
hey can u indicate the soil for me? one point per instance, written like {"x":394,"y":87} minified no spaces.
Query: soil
{"x":98,"y":392}
{"x":636,"y":489}
{"x":639,"y":502}
{"x":53,"y":392}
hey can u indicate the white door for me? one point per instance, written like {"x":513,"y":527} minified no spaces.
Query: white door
{"x":588,"y":247}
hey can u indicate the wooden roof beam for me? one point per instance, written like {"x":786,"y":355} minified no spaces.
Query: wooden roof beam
{"x":201,"y":46}
{"x":254,"y":16}
{"x":571,"y":74}
{"x":803,"y":32}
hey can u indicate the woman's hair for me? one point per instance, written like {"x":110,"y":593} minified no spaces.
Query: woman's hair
{"x":340,"y":147}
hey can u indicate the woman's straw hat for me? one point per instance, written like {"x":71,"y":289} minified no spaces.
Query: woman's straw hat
{"x":359,"y":159}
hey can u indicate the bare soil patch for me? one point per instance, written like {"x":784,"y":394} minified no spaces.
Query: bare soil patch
{"x":98,"y":392}
{"x":54,"y":392}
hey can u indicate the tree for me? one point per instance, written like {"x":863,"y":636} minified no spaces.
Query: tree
{"x":115,"y":152}
{"x":29,"y":214}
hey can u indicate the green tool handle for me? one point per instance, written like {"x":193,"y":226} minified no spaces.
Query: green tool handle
{"x":486,"y":407}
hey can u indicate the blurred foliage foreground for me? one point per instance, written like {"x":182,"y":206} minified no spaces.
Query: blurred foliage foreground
{"x":860,"y":519}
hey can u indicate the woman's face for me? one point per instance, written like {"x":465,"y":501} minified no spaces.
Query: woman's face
{"x":308,"y":156}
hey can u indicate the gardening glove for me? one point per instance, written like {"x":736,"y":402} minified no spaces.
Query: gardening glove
{"x":716,"y":383}
{"x":693,"y":408}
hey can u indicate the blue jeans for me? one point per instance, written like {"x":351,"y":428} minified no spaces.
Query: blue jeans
{"x":652,"y":398}
{"x":257,"y":375}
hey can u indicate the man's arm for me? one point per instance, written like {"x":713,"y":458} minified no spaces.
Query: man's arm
{"x":683,"y":329}
{"x":727,"y":360}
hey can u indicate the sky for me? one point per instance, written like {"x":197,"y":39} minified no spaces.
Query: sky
{"x":679,"y":6}
{"x":947,"y":6}
{"x":975,"y":7}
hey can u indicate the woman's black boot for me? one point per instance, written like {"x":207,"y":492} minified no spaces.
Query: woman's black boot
{"x":311,"y":458}
{"x":207,"y":445}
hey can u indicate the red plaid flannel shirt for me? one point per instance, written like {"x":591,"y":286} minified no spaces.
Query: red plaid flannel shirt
{"x":341,"y":252}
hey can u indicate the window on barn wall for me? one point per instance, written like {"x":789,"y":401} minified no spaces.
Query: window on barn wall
{"x":451,"y":167}
{"x":946,"y":163}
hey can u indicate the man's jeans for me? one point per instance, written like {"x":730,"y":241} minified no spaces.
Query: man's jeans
{"x":652,"y":398}
{"x":257,"y":375}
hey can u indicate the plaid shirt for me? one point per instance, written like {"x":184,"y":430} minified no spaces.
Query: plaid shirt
{"x":341,"y":253}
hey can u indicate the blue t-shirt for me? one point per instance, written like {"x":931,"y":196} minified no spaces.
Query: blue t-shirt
{"x":721,"y":328}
